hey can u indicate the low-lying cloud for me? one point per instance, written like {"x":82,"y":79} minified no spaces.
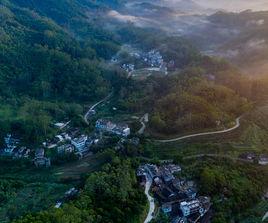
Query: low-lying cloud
{"x":229,"y":5}
{"x":256,"y":44}
{"x":125,"y":18}
{"x":235,"y":5}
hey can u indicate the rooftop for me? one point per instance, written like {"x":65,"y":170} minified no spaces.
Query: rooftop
{"x":39,"y":153}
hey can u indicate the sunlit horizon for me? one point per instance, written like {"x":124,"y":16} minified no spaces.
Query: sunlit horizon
{"x":230,"y":5}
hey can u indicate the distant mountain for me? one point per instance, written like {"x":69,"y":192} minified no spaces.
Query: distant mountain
{"x":190,"y":6}
{"x":150,"y":10}
{"x":235,"y":5}
{"x":186,"y":6}
{"x":241,"y":38}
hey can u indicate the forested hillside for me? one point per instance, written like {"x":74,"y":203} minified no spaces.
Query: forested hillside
{"x":41,"y":62}
{"x":42,"y":57}
{"x":202,"y":92}
{"x":110,"y":195}
{"x":57,"y":60}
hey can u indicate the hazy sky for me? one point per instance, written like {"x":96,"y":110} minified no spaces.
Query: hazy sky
{"x":230,"y":5}
{"x":235,"y":5}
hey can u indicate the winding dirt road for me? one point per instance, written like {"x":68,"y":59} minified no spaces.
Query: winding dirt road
{"x":237,"y":125}
{"x":150,"y":199}
{"x":218,"y":156}
{"x":265,"y":216}
{"x":144,"y":119}
{"x":94,"y":106}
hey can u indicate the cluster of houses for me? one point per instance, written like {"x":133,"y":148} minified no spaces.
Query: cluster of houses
{"x":71,"y":141}
{"x":13,"y":149}
{"x":40,"y":160}
{"x":66,"y":142}
{"x":128,"y":67}
{"x":176,"y":196}
{"x":103,"y":125}
{"x":152,"y":59}
{"x":261,"y":159}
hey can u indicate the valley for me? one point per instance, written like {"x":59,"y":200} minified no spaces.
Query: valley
{"x":133,"y":111}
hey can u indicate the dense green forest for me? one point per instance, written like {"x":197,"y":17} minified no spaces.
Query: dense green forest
{"x":42,"y":60}
{"x":48,"y":68}
{"x":110,"y":195}
{"x":233,"y":187}
{"x":21,"y":182}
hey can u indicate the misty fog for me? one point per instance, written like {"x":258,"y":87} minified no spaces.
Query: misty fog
{"x":235,"y":5}
{"x":230,"y":5}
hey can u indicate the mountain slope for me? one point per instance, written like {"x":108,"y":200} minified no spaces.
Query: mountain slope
{"x":42,"y":63}
{"x":37,"y":52}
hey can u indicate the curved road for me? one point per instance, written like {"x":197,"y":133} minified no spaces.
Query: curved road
{"x":218,"y":156}
{"x":265,"y":216}
{"x":144,"y":119}
{"x":94,"y":106}
{"x":150,"y":199}
{"x":237,"y":125}
{"x":149,"y":181}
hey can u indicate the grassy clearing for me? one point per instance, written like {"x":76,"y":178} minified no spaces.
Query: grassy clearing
{"x":75,"y":170}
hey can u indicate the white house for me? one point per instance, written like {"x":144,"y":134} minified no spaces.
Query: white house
{"x":79,"y":143}
{"x":191,"y":207}
{"x":108,"y":126}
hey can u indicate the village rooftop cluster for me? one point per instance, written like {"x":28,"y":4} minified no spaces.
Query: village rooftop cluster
{"x":177,"y":197}
{"x":68,"y":141}
{"x":151,"y":59}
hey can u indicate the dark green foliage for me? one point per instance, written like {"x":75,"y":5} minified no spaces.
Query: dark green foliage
{"x":24,"y":188}
{"x":33,"y":120}
{"x":110,"y":195}
{"x":41,"y":60}
{"x":7,"y":188}
{"x":45,"y":71}
{"x":233,"y":187}
{"x":162,"y":218}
